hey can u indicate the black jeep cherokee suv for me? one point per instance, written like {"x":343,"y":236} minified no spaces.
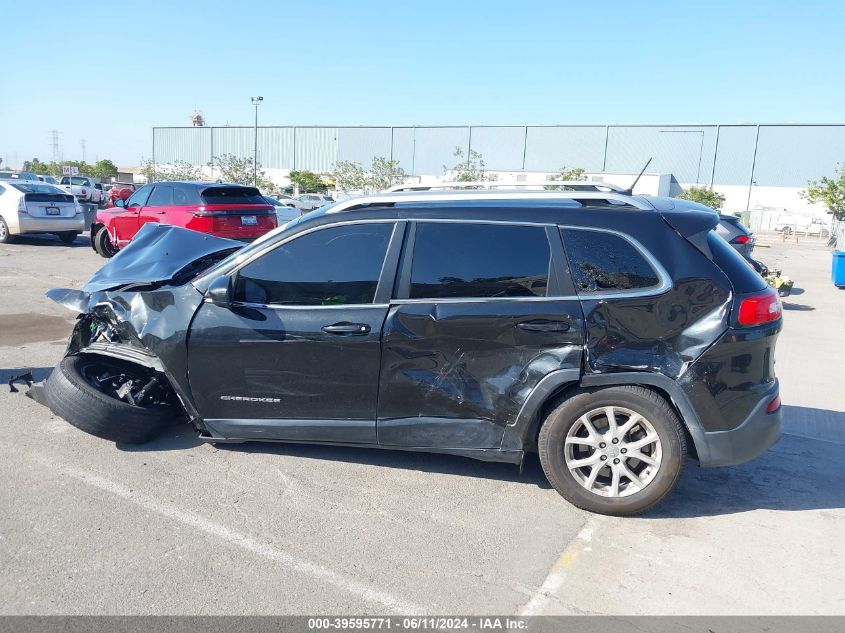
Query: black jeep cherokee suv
{"x":611,"y":333}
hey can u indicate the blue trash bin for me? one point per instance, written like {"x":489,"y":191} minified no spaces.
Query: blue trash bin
{"x":838,"y":271}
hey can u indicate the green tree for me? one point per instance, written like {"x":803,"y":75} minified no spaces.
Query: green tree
{"x":348,"y":176}
{"x":240,"y":171}
{"x":385,"y":173}
{"x":830,"y":192}
{"x":178,"y":170}
{"x":471,"y":169}
{"x":566,"y":174}
{"x":307,"y":181}
{"x":703,"y":195}
{"x":103,"y":169}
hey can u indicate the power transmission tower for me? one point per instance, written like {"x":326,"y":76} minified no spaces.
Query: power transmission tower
{"x":82,"y":145}
{"x":55,"y":144}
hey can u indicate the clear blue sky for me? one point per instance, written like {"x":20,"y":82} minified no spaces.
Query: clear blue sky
{"x":425,"y":62}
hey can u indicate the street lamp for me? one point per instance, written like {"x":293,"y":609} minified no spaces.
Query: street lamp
{"x":256,"y":101}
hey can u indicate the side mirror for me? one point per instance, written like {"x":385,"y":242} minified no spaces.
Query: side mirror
{"x":219,"y":292}
{"x":120,"y":202}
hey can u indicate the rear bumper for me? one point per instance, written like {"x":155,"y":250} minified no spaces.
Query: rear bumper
{"x":757,"y":433}
{"x":31,"y":224}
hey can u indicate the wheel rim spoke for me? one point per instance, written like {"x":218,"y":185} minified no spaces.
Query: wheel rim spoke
{"x":647,"y":459}
{"x":614,"y":481}
{"x":650,"y":438}
{"x":610,"y":413}
{"x":629,"y":424}
{"x":587,"y":461}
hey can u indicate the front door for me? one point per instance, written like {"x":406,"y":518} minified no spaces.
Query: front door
{"x":484,"y":312}
{"x":124,"y":223}
{"x":297,"y":356}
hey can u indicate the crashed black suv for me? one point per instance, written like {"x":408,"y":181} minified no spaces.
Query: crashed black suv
{"x":613,"y":334}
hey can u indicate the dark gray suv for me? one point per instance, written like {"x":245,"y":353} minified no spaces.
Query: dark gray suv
{"x":613,"y":334}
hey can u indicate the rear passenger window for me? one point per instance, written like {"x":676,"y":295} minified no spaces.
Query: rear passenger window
{"x":479,"y":260}
{"x":602,"y":261}
{"x":162,"y":196}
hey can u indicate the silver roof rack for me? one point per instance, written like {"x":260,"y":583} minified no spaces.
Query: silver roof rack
{"x":570,"y":185}
{"x":454,"y":195}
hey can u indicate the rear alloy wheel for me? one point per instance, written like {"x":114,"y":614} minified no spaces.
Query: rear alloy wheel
{"x":110,"y":398}
{"x":103,"y":244}
{"x":67,"y":237}
{"x":5,"y":235}
{"x":617,"y":451}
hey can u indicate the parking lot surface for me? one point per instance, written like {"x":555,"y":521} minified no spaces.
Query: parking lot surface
{"x":180,"y":527}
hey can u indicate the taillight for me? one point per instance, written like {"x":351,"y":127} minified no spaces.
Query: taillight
{"x":84,"y":192}
{"x":759,"y":309}
{"x":22,"y":205}
{"x":741,"y":239}
{"x":774,"y":404}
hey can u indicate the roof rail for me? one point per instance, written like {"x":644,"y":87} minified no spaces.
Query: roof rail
{"x":583,"y":197}
{"x":570,"y":185}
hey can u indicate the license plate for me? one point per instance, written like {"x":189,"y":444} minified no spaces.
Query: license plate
{"x":53,"y":211}
{"x":249,"y":220}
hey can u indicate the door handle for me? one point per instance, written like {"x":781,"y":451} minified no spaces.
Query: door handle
{"x":543,"y":325}
{"x":353,"y":329}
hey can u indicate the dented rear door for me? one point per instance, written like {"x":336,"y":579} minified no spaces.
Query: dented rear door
{"x":482,"y":314}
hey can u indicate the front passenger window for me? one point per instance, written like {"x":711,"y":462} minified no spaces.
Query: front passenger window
{"x":338,"y":265}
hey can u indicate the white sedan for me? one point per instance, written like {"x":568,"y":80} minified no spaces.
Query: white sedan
{"x":287,"y":208}
{"x":36,"y":207}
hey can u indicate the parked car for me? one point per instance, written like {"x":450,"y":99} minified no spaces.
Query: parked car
{"x":311,"y":201}
{"x":18,"y":175}
{"x":226,"y":210}
{"x":100,"y":193}
{"x":613,"y":334}
{"x":35,"y":207}
{"x":82,"y":188}
{"x":734,"y":233}
{"x":48,"y":179}
{"x":285,"y":211}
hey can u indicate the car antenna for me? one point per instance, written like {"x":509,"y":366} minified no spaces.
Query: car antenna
{"x":630,"y":190}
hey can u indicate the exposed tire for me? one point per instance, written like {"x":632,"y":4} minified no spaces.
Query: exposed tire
{"x":581,"y":431}
{"x":67,"y":237}
{"x":5,"y":236}
{"x":103,"y":245}
{"x":73,"y":397}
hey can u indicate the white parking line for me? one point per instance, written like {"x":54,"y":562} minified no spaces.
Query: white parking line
{"x":560,"y":570}
{"x":362,"y":590}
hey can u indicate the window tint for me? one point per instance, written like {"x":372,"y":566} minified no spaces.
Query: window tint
{"x":232,"y":195}
{"x":603,"y":261}
{"x":479,"y":260}
{"x":162,"y":196}
{"x":139,"y":198}
{"x":333,"y":266}
{"x":742,"y":276}
{"x":184,"y":195}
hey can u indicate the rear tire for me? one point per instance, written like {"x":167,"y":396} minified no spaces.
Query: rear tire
{"x":5,"y":236}
{"x":103,"y":245}
{"x":73,"y":397}
{"x":579,"y":435}
{"x":67,"y":237}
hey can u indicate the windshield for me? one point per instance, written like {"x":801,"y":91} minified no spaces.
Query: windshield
{"x":76,"y":180}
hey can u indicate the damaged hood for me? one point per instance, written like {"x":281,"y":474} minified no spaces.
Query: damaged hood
{"x":158,"y":253}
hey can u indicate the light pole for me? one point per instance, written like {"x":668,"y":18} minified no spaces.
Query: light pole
{"x":256,"y":101}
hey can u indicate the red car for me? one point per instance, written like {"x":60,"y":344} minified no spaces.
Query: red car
{"x":225,"y":210}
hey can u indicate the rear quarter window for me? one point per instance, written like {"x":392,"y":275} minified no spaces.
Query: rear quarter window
{"x":602,"y":262}
{"x":743,"y":277}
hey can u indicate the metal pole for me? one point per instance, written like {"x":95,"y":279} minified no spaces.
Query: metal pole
{"x":524,"y":147}
{"x":700,"y":152}
{"x":211,"y":142}
{"x":469,"y":145}
{"x":391,"y":142}
{"x":414,"y":153}
{"x":753,"y":165}
{"x":255,"y":151}
{"x":715,"y":154}
{"x":604,"y":156}
{"x":154,"y":150}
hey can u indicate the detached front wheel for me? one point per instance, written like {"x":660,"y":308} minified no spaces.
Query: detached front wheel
{"x":110,"y":398}
{"x":617,"y":451}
